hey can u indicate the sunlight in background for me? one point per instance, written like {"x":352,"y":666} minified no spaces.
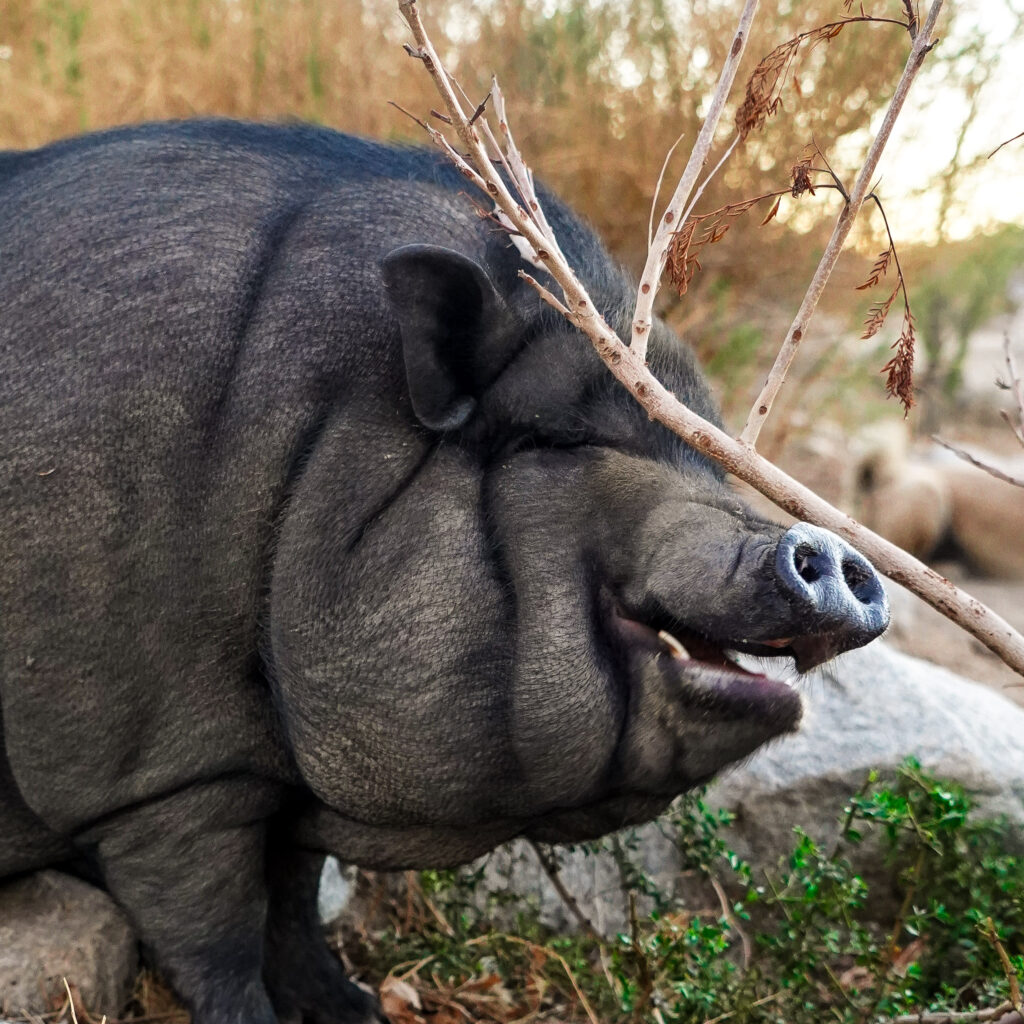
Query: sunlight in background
{"x":924,"y":141}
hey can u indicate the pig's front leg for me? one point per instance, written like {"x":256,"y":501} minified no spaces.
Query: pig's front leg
{"x":190,"y":872}
{"x":303,"y":975}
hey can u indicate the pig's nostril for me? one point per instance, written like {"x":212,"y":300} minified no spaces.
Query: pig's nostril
{"x":803,"y":562}
{"x":835,"y":587}
{"x":860,"y":581}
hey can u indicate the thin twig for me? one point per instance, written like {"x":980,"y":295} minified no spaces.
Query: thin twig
{"x":777,"y":377}
{"x":730,"y":917}
{"x":643,"y":995}
{"x":908,"y":6}
{"x":756,"y":1002}
{"x":1016,"y":385}
{"x":708,"y":178}
{"x":990,"y":933}
{"x":551,"y":870}
{"x":951,"y":1017}
{"x":673,"y":215}
{"x":1006,"y":143}
{"x":71,"y":1001}
{"x":546,"y":952}
{"x":980,"y":463}
{"x":657,"y":189}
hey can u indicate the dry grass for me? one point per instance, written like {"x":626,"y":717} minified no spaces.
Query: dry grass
{"x":598,"y":91}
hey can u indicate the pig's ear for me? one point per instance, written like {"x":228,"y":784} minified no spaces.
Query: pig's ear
{"x":451,"y":322}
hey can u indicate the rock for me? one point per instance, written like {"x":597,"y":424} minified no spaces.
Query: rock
{"x":870,"y":709}
{"x":53,"y":926}
{"x":335,"y":891}
{"x":919,"y":630}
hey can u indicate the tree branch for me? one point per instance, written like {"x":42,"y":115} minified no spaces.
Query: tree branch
{"x":551,"y":870}
{"x":628,"y":365}
{"x":952,"y":1017}
{"x":777,"y":376}
{"x":1015,"y":385}
{"x":674,"y":217}
{"x":980,"y":463}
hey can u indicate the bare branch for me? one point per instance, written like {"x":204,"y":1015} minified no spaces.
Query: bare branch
{"x":628,"y":365}
{"x":550,"y":869}
{"x":550,"y":298}
{"x":657,"y":190}
{"x":980,"y":463}
{"x":952,"y":1017}
{"x":991,"y":933}
{"x":1016,"y":385}
{"x":545,"y":248}
{"x":673,"y":215}
{"x":1020,"y":135}
{"x":723,"y":902}
{"x":908,"y":7}
{"x":777,"y":377}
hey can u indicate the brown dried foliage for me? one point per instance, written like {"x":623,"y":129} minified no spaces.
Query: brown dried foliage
{"x":877,"y":313}
{"x":415,"y":999}
{"x":683,"y":259}
{"x":801,"y":175}
{"x":881,"y":265}
{"x":900,"y":368}
{"x":687,"y":245}
{"x":763,"y":96}
{"x":899,"y":382}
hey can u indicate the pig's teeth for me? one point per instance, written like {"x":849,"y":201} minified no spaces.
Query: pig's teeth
{"x":676,"y":649}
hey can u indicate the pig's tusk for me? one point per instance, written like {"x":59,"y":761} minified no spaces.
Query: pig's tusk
{"x":676,"y":649}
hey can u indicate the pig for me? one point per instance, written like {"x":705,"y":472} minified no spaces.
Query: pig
{"x":321,"y":532}
{"x":937,"y":506}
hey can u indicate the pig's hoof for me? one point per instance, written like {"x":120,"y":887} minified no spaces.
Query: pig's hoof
{"x":319,"y":993}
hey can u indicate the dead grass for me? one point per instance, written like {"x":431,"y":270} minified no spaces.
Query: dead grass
{"x":599,"y":94}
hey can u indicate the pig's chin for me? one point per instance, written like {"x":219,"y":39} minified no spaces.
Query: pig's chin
{"x":706,"y":674}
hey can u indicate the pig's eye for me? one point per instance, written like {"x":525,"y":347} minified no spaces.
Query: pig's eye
{"x":537,"y":439}
{"x":524,"y":443}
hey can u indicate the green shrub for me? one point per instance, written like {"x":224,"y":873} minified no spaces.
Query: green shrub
{"x":793,"y":945}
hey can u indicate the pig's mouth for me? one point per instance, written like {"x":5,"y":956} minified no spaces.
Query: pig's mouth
{"x":707,"y":673}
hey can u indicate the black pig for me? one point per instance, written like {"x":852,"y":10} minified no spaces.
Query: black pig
{"x":321,"y":532}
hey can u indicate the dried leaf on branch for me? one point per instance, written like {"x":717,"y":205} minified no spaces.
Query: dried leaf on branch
{"x":900,"y":369}
{"x":801,"y":176}
{"x":763,"y":96}
{"x":877,"y":314}
{"x":878,"y":270}
{"x":683,"y":258}
{"x":899,"y":382}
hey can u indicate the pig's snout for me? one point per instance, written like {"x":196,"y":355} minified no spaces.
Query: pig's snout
{"x":837,"y":586}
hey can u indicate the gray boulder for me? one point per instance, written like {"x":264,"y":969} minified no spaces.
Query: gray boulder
{"x":868,"y":710}
{"x":53,"y":926}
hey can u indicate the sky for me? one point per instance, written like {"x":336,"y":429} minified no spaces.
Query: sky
{"x":925,"y":135}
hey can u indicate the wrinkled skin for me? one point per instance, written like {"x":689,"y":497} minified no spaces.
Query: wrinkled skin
{"x":321,"y":533}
